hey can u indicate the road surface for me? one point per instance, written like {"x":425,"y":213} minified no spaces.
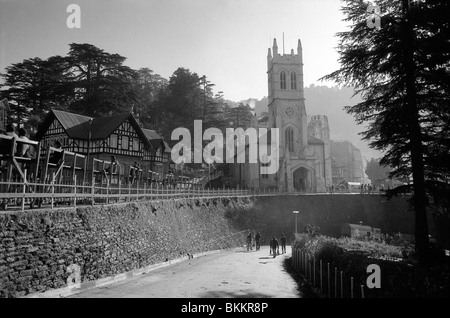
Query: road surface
{"x":231,"y":273}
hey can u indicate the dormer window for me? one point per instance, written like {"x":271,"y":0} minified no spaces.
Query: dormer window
{"x":283,"y":80}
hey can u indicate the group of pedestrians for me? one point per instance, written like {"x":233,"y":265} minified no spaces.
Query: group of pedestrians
{"x":367,"y":188}
{"x":274,"y":245}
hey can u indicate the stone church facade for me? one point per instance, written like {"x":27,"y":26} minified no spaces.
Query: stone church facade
{"x":304,"y":142}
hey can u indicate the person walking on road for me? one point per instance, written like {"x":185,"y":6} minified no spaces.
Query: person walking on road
{"x":257,"y":243}
{"x":249,"y":241}
{"x":274,"y":246}
{"x":283,"y":240}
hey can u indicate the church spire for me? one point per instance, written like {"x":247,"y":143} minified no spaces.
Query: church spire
{"x":299,"y":47}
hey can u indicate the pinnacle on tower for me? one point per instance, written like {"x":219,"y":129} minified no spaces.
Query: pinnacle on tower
{"x":275,"y":47}
{"x":299,"y":47}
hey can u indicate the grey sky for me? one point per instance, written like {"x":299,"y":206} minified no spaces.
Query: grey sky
{"x":226,"y":40}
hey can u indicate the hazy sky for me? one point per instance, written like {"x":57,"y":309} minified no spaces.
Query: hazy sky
{"x":226,"y":40}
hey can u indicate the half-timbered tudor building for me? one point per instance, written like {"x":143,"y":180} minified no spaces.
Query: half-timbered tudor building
{"x":160,"y":157}
{"x":100,"y":138}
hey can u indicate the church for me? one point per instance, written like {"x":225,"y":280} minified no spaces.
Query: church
{"x":304,"y":141}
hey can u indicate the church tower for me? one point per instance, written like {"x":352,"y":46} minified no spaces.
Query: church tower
{"x":286,"y":101}
{"x":287,"y":112}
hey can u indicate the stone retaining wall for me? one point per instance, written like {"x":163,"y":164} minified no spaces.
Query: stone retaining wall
{"x":42,"y":250}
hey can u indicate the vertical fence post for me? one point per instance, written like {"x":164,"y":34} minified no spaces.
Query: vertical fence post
{"x":129,"y":191}
{"x":151,"y":190}
{"x":308,"y":268}
{"x":310,"y":265}
{"x":157,"y":190}
{"x":305,"y":264}
{"x":120,"y":190}
{"x":321,"y":277}
{"x":92,"y":190}
{"x":342,"y":285}
{"x":107,"y":191}
{"x":53,"y":189}
{"x":24,"y":187}
{"x":335,"y":282}
{"x":314,"y":271}
{"x":328,"y":278}
{"x":295,"y":258}
{"x":351,"y":287}
{"x":75,"y":190}
{"x":302,"y":268}
{"x":137,"y":190}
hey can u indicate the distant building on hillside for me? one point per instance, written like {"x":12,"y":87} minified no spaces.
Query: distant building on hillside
{"x":346,"y":162}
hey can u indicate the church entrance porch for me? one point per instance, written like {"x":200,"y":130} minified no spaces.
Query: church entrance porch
{"x":303,"y":180}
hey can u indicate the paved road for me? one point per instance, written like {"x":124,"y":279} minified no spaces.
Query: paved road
{"x":228,"y":274}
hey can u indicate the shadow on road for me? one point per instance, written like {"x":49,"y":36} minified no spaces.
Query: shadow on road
{"x":303,"y":287}
{"x":241,"y":294}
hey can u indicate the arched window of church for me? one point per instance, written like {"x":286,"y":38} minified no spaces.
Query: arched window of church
{"x":289,"y":137}
{"x":283,"y":80}
{"x":293,"y":80}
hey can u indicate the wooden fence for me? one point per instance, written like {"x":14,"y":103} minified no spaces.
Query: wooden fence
{"x":330,"y":282}
{"x":19,"y":194}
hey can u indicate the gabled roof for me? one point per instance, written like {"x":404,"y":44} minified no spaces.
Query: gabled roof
{"x":69,"y":120}
{"x":78,"y":126}
{"x":155,"y":139}
{"x":167,"y":148}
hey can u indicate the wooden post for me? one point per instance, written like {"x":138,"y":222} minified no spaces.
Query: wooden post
{"x":305,"y":265}
{"x":53,"y":189}
{"x":314,"y":271}
{"x":321,"y":277}
{"x":328,"y":278}
{"x":92,"y":190}
{"x":75,"y":191}
{"x":351,"y":287}
{"x":309,"y":265}
{"x":342,"y":285}
{"x":137,"y":189}
{"x":335,"y":282}
{"x":107,"y":190}
{"x":24,"y":187}
{"x":151,"y":190}
{"x":294,"y":258}
{"x":120,"y":190}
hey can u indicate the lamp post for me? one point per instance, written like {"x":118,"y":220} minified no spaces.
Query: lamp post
{"x":296,"y":213}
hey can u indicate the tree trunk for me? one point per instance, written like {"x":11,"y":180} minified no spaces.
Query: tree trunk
{"x":415,"y":134}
